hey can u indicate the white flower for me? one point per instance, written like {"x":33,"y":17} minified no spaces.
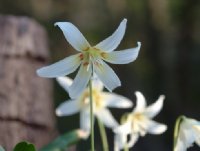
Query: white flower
{"x":101,"y":100}
{"x":188,"y":133}
{"x":139,"y":122}
{"x":91,"y":59}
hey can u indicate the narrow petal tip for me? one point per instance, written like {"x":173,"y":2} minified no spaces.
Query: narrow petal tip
{"x":165,"y":128}
{"x":40,"y":72}
{"x":58,"y":112}
{"x":55,"y":24}
{"x":124,"y":20}
{"x":83,"y":134}
{"x":138,"y":93}
{"x":129,"y":104}
{"x":161,"y":97}
{"x":162,"y":129}
{"x":139,"y":43}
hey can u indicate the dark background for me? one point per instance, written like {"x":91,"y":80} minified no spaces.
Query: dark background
{"x":168,"y":63}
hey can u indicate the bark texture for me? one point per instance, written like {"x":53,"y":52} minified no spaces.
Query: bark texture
{"x":26,"y":104}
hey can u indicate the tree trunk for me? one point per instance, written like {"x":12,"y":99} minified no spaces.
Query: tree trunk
{"x":26,"y":105}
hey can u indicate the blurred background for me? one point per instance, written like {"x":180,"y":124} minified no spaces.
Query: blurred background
{"x":168,"y":63}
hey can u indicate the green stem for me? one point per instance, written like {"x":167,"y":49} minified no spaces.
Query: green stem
{"x":91,"y":116}
{"x":103,"y":135}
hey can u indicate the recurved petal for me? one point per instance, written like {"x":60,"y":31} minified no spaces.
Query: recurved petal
{"x":73,"y":36}
{"x":60,"y":68}
{"x":140,"y":102}
{"x":111,"y":43}
{"x":68,"y":108}
{"x":106,"y":118}
{"x":156,"y":128}
{"x":152,"y":110}
{"x":80,"y":82}
{"x":83,"y":134}
{"x":116,"y":101}
{"x":123,"y":56}
{"x":65,"y":82}
{"x":107,"y":76}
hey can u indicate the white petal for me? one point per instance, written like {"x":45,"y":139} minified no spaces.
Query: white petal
{"x":140,"y":102}
{"x":152,"y":110}
{"x":85,"y":120}
{"x":180,"y":146}
{"x":111,"y":43}
{"x":156,"y":128}
{"x":187,"y":137}
{"x":197,"y":134}
{"x":120,"y":140}
{"x":106,"y":118}
{"x":197,"y":128}
{"x":60,"y":68}
{"x":124,"y":128}
{"x":73,"y":36}
{"x":83,"y":134}
{"x":198,"y":140}
{"x":80,"y":81}
{"x":65,"y":82}
{"x":133,"y":139}
{"x":116,"y":101}
{"x":68,"y":108}
{"x":123,"y":56}
{"x":107,"y":76}
{"x":96,"y":83}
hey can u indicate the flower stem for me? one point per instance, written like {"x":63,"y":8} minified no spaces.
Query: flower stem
{"x":91,"y":116}
{"x":103,"y":135}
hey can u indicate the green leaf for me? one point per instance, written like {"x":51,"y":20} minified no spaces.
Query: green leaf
{"x":2,"y":149}
{"x":24,"y":146}
{"x":62,"y":142}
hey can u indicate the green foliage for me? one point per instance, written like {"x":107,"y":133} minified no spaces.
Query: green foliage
{"x":62,"y":142}
{"x":24,"y":146}
{"x":2,"y":149}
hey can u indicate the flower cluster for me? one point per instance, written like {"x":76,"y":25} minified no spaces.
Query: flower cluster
{"x":92,"y":101}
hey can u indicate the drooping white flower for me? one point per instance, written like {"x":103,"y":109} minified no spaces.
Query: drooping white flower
{"x":101,"y":100}
{"x":188,"y":133}
{"x":139,"y":122}
{"x":91,"y":59}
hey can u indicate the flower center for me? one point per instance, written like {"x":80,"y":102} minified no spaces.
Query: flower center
{"x":97,"y":99}
{"x":138,"y":117}
{"x":92,"y":56}
{"x":139,"y":123}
